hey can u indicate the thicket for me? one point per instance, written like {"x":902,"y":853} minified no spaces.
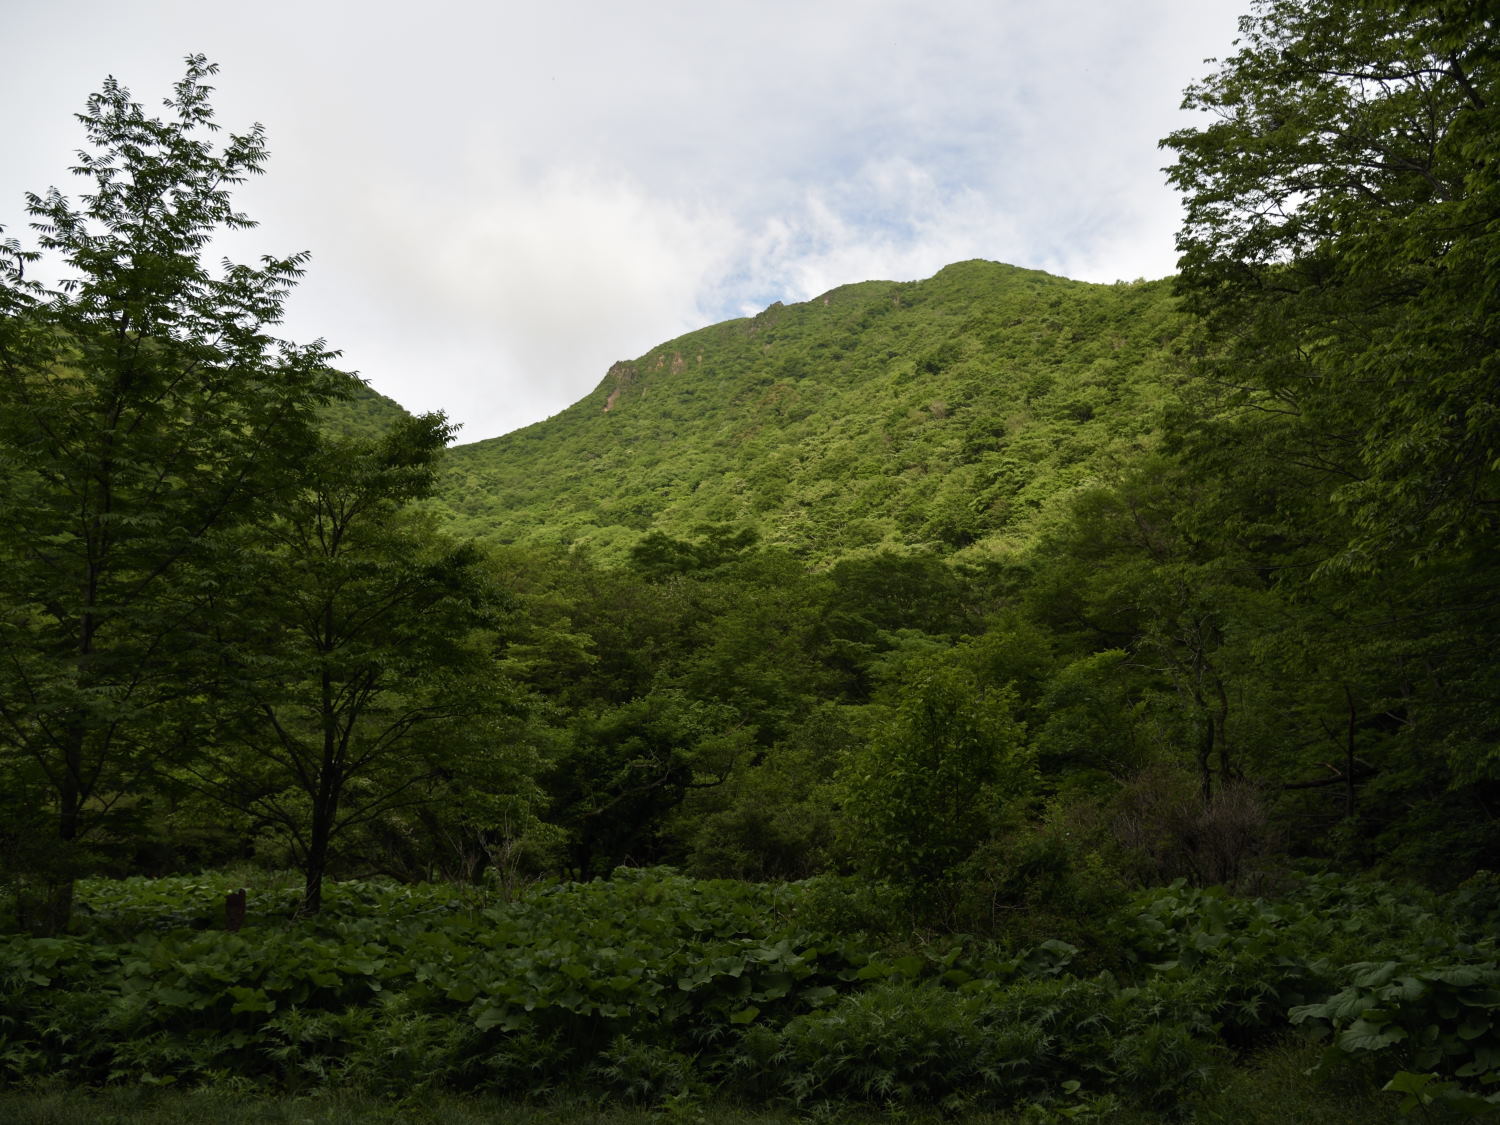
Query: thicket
{"x":657,"y":989}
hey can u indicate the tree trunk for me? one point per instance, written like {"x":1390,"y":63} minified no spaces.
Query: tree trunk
{"x":60,"y":871}
{"x":1349,"y":759}
{"x":1205,"y":758}
{"x":56,"y":906}
{"x":1220,"y":720}
{"x":314,"y":866}
{"x":325,"y":805}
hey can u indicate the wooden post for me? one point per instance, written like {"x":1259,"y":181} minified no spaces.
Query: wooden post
{"x":234,"y":910}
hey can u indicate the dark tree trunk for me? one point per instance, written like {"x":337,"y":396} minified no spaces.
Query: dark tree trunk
{"x":1349,"y":759}
{"x":325,"y":796}
{"x":60,"y":872}
{"x":1205,"y":759}
{"x":314,"y":866}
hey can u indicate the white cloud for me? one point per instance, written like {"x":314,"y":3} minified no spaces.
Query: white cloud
{"x":502,"y":199}
{"x":507,"y":301}
{"x":891,"y":220}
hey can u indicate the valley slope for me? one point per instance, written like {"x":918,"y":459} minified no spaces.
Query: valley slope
{"x":945,"y":414}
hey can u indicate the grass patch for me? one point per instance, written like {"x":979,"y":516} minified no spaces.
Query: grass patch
{"x":139,"y":1106}
{"x":1277,"y":1086}
{"x":1284,"y":1085}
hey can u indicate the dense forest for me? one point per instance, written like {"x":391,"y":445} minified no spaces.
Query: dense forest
{"x":994,"y":694}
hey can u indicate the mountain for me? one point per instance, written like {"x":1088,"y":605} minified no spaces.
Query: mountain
{"x":947,"y":413}
{"x":365,"y":413}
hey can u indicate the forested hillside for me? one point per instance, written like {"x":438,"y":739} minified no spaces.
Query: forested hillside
{"x":937,"y":414}
{"x":359,"y":412}
{"x":992,"y":693}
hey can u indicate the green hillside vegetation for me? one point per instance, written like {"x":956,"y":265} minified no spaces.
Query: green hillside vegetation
{"x":943,"y":414}
{"x":359,"y":412}
{"x":995,"y":695}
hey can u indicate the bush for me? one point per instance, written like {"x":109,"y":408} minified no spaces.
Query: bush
{"x":1163,"y":822}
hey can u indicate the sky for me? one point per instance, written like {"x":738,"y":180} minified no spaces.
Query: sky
{"x":501,"y":199}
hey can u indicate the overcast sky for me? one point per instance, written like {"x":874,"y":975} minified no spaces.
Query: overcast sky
{"x":501,"y":199}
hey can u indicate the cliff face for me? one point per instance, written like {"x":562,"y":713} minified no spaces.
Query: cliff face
{"x":619,"y":377}
{"x":945,"y":413}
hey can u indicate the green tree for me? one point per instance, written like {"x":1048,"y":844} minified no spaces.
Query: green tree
{"x":144,"y":410}
{"x":356,"y":680}
{"x":621,"y":771}
{"x":1339,"y":241}
{"x":928,"y":787}
{"x":1340,"y":249}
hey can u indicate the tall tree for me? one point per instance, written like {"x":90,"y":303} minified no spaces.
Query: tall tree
{"x":356,"y":679}
{"x":143,"y":410}
{"x":1340,"y":246}
{"x":928,"y":787}
{"x":1339,"y":240}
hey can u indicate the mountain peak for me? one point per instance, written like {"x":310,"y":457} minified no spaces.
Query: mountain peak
{"x":941,"y":414}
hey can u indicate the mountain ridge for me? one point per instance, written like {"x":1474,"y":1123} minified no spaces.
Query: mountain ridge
{"x":944,"y":414}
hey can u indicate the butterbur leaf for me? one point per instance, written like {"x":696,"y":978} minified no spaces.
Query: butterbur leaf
{"x":1487,"y":1056}
{"x":1406,"y":1082}
{"x":493,"y":1017}
{"x":173,"y":997}
{"x":1460,"y":976}
{"x":1365,"y":1036}
{"x":251,"y":1000}
{"x":1304,"y":1012}
{"x":1375,"y":975}
{"x":1414,"y":1086}
{"x":1350,"y":1005}
{"x":774,"y":986}
{"x":1474,"y":1027}
{"x":1406,"y":988}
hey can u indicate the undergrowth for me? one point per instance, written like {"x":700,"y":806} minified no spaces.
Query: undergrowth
{"x":654,"y":991}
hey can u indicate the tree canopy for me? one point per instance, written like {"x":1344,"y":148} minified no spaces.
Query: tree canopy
{"x":1340,"y":242}
{"x":144,"y":409}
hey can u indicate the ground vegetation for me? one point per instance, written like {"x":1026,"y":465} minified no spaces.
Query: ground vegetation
{"x":993,"y":695}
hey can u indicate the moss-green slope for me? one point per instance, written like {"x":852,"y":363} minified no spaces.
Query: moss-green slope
{"x":944,"y":412}
{"x":365,"y":413}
